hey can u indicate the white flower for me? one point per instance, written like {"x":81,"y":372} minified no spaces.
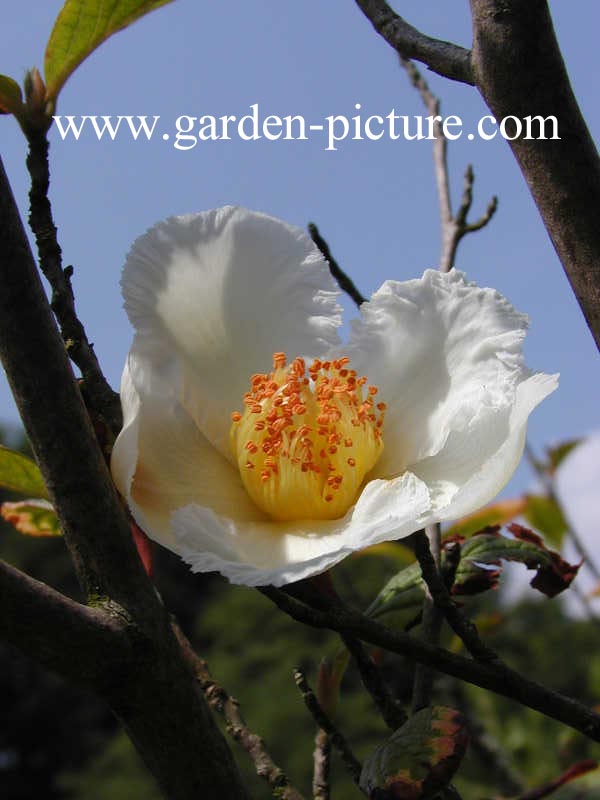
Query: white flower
{"x":307,"y":470}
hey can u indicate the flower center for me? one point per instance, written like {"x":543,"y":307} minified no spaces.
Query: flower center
{"x":307,"y":438}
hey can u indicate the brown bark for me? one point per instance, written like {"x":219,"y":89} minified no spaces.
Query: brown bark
{"x":140,"y":669}
{"x":520,"y":72}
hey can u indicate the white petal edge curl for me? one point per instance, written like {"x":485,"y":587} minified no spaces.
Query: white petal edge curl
{"x":222,"y":290}
{"x":469,"y":489}
{"x":442,"y":351}
{"x":275,"y":554}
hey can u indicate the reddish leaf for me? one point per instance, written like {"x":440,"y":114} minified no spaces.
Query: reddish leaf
{"x":555,"y":575}
{"x":144,"y":548}
{"x":419,"y":759}
{"x":32,"y":517}
{"x":482,"y":556}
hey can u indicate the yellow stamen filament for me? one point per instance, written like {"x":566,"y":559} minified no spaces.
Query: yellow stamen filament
{"x":307,"y":438}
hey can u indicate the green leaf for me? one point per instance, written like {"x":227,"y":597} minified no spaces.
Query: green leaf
{"x":20,"y":474}
{"x":32,"y":517}
{"x":546,"y":516}
{"x":402,"y":591}
{"x":557,"y":454}
{"x":483,"y":552}
{"x":496,"y":514}
{"x":11,"y":98}
{"x":419,"y":759}
{"x":81,"y":26}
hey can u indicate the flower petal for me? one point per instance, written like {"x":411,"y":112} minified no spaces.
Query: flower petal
{"x":477,"y":462}
{"x":445,"y":354}
{"x":161,"y":461}
{"x":276,"y":553}
{"x":222,"y":290}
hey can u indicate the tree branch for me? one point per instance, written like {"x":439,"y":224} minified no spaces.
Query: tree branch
{"x":352,"y":764}
{"x":445,"y":58}
{"x":429,"y":541}
{"x":155,"y":696}
{"x":104,"y":402}
{"x":461,"y":626}
{"x":228,"y":707}
{"x":496,"y":677}
{"x":92,"y":519}
{"x":520,"y":72}
{"x":345,"y":283}
{"x":63,"y":635}
{"x":321,"y":766}
{"x":392,"y":712}
{"x":453,"y":227}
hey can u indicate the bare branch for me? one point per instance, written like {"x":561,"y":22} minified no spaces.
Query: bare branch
{"x":345,"y":283}
{"x":497,"y":677}
{"x":391,"y":711}
{"x":159,"y":707}
{"x":445,"y":58}
{"x":430,"y":541}
{"x":228,"y":707}
{"x":453,"y":227}
{"x":103,"y":400}
{"x":63,"y":635}
{"x":352,"y":764}
{"x":321,"y":766}
{"x":432,"y":104}
{"x":461,"y":626}
{"x":521,"y":74}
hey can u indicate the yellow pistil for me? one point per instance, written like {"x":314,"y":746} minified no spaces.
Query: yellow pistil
{"x":307,"y":438}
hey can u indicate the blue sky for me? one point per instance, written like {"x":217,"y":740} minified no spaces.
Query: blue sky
{"x":375,"y":202}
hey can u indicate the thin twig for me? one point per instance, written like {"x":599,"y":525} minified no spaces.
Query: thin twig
{"x":321,"y":766}
{"x":453,"y":227}
{"x":352,"y":764}
{"x":345,"y":283}
{"x":460,"y":227}
{"x":103,"y":400}
{"x":228,"y":707}
{"x":462,"y":627}
{"x":432,"y":104}
{"x":493,"y":675}
{"x":432,"y":617}
{"x":445,"y":58}
{"x":392,"y":712}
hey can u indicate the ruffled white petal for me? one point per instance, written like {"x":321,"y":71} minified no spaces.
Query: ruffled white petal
{"x":275,"y":553}
{"x":222,"y":290}
{"x":445,"y":354}
{"x":477,"y":462}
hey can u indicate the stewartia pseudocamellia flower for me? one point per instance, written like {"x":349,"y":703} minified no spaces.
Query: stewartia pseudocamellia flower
{"x":256,"y":444}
